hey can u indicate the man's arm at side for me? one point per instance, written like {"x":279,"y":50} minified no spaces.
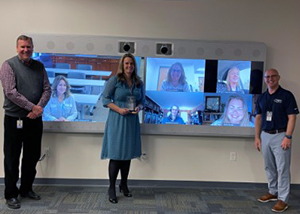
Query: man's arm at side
{"x":46,"y":91}
{"x":257,"y":132}
{"x":286,"y":143}
{"x":37,"y":110}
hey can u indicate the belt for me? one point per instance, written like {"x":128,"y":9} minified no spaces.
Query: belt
{"x":275,"y":131}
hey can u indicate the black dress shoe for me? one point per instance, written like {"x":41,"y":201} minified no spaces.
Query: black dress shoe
{"x":113,"y":200}
{"x":31,"y":195}
{"x":112,"y":196}
{"x":13,"y":203}
{"x":125,"y":190}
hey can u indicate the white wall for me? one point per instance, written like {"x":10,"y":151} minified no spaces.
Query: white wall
{"x":274,"y":22}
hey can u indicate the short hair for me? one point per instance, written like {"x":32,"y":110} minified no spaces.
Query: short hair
{"x":182,"y":79}
{"x":245,"y":120}
{"x":55,"y":84}
{"x":120,"y":73}
{"x":24,"y":38}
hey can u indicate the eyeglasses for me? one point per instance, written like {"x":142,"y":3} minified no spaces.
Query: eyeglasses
{"x":271,"y":76}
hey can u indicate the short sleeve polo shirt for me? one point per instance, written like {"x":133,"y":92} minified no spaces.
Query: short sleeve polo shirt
{"x":281,"y":103}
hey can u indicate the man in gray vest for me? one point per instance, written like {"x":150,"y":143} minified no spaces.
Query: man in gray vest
{"x":27,"y":90}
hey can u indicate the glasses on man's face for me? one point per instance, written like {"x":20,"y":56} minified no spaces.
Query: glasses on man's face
{"x":271,"y":76}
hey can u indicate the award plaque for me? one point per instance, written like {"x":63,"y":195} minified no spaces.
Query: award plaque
{"x":131,"y":103}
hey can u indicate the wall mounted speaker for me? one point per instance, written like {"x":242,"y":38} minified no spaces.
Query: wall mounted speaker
{"x":127,"y":47}
{"x":164,"y":49}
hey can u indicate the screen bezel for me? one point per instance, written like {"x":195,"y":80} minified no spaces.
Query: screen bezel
{"x":145,"y":47}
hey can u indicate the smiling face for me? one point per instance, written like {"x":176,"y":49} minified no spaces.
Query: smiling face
{"x":174,"y":111}
{"x":234,"y":76}
{"x":128,"y":66}
{"x":176,"y":73}
{"x":24,"y":49}
{"x":61,"y":87}
{"x":272,"y":79}
{"x":235,"y":112}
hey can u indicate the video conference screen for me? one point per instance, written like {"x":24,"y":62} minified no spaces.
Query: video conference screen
{"x":201,"y":92}
{"x":178,"y":91}
{"x":77,"y":82}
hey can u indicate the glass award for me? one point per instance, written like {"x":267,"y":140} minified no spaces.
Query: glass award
{"x":131,"y":103}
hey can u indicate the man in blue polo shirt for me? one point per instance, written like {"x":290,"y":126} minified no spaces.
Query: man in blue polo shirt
{"x":276,"y":111}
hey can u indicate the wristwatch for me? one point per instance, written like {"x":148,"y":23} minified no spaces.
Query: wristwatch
{"x":288,"y":136}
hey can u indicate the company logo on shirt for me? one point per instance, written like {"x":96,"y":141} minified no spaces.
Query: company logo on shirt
{"x":278,"y":101}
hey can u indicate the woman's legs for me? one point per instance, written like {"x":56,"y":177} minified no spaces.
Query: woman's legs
{"x":125,"y":167}
{"x":113,"y":170}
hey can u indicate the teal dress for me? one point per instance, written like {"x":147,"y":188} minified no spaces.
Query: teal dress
{"x":122,"y":139}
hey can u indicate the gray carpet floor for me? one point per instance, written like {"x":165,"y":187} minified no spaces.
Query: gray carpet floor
{"x":94,"y":199}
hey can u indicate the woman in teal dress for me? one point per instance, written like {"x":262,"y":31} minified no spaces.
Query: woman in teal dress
{"x":122,"y":140}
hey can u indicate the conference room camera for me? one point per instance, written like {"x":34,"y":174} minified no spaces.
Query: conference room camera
{"x":164,"y":49}
{"x":126,"y":47}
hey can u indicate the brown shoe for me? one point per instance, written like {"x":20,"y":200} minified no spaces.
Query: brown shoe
{"x":279,"y":207}
{"x":267,"y":197}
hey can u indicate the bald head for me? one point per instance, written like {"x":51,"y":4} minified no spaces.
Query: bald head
{"x":272,"y":79}
{"x":272,"y":70}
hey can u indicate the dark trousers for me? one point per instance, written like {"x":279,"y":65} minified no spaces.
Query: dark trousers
{"x":29,"y":138}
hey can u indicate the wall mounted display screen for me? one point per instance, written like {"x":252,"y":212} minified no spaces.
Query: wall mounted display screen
{"x":197,"y":88}
{"x":176,"y":92}
{"x":77,"y":82}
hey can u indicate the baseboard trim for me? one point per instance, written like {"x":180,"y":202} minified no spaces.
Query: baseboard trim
{"x":151,"y":183}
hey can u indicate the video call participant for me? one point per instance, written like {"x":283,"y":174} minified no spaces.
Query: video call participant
{"x":62,"y":105}
{"x":232,"y":82}
{"x":174,"y":117}
{"x":27,"y":90}
{"x":275,"y":120}
{"x":235,"y":113}
{"x":122,"y":140}
{"x":176,"y":80}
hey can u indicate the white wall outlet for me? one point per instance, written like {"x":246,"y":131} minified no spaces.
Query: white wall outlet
{"x":47,"y":151}
{"x":144,"y":156}
{"x":232,"y":156}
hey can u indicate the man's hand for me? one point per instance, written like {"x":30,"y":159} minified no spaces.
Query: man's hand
{"x":37,"y":110}
{"x":31,"y":115}
{"x":286,"y":143}
{"x":258,"y":144}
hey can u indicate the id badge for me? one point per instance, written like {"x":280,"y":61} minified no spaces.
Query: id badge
{"x":269,"y":116}
{"x":19,"y":124}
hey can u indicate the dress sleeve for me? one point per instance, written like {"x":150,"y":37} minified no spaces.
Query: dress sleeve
{"x":109,"y":91}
